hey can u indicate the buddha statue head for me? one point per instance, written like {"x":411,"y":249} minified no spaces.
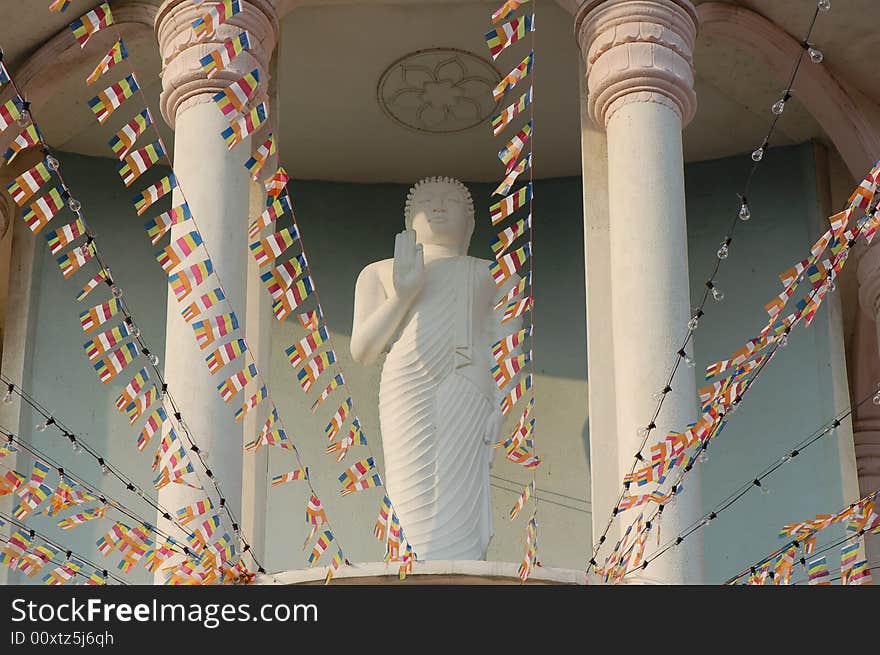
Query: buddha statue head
{"x":441,"y":211}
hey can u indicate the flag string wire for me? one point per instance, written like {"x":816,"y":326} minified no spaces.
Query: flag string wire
{"x":681,"y":354}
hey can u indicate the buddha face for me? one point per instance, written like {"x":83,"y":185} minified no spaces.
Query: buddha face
{"x":441,"y":215}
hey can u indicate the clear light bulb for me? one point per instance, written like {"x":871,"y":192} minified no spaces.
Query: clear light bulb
{"x":778,"y":107}
{"x":824,"y":5}
{"x":135,"y":330}
{"x":154,"y":359}
{"x":104,"y":469}
{"x":7,"y":397}
{"x":41,"y":427}
{"x":693,"y":324}
{"x":723,"y":252}
{"x":717,"y":294}
{"x":816,"y":55}
{"x":116,"y":291}
{"x":758,"y":154}
{"x":744,"y":212}
{"x":24,"y":119}
{"x":75,"y":205}
{"x":783,"y":340}
{"x":876,"y":398}
{"x":52,"y":163}
{"x":689,"y":361}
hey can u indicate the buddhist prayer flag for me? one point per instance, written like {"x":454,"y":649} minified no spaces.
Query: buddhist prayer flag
{"x":503,"y":347}
{"x":861,"y":573}
{"x":173,"y":255}
{"x":321,"y":545}
{"x":218,"y":14}
{"x":4,"y":74}
{"x":62,"y":574}
{"x":522,"y":70}
{"x":133,"y":389}
{"x":125,"y":138}
{"x":252,"y":402}
{"x":514,"y":291}
{"x":63,"y":236}
{"x":141,"y":404}
{"x":154,"y":192}
{"x":90,"y":286}
{"x":270,"y":248}
{"x":208,"y":331}
{"x":95,"y":20}
{"x":276,"y":184}
{"x":27,"y":138}
{"x":292,"y":298}
{"x":521,"y":501}
{"x":291,"y":476}
{"x":98,"y":315}
{"x":111,"y":366}
{"x":335,"y":563}
{"x":261,"y":155}
{"x":202,"y":304}
{"x":106,"y":341}
{"x":217,"y":60}
{"x":137,"y":163}
{"x":356,"y":471}
{"x":502,"y":120}
{"x":515,"y":394}
{"x":117,"y":53}
{"x":848,"y":555}
{"x":509,"y":33}
{"x":188,"y":513}
{"x":271,"y":214}
{"x":111,"y":98}
{"x":159,"y":226}
{"x":311,"y":319}
{"x":184,"y":281}
{"x":28,"y":183}
{"x":236,"y":383}
{"x":506,"y":265}
{"x":225,"y":354}
{"x":281,"y":278}
{"x":59,"y":5}
{"x":509,"y":204}
{"x":16,"y":546}
{"x":33,"y":562}
{"x":152,"y":425}
{"x":355,"y":436}
{"x":504,"y":372}
{"x":516,"y":309}
{"x":10,"y":111}
{"x":75,"y":259}
{"x":300,"y":351}
{"x":245,"y":125}
{"x":512,"y":176}
{"x":334,"y":383}
{"x":309,"y":373}
{"x":370,"y":482}
{"x":817,"y":572}
{"x":513,"y":148}
{"x":233,"y":98}
{"x":338,"y":419}
{"x":83,"y":517}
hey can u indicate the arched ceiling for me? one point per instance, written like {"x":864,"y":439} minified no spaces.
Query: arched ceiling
{"x":333,"y":53}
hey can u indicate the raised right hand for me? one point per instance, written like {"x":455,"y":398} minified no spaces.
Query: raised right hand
{"x":409,"y":265}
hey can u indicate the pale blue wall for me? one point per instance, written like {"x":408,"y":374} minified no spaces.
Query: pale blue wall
{"x":348,"y":226}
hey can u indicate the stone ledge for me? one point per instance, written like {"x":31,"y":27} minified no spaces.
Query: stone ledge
{"x":441,"y":572}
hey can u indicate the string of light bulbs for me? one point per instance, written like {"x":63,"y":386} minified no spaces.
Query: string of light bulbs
{"x":711,"y":288}
{"x":76,"y":207}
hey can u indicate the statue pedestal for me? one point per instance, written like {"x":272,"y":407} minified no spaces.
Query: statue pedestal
{"x":438,"y":572}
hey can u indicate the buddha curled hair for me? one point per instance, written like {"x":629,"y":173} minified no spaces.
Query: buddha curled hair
{"x":466,"y":195}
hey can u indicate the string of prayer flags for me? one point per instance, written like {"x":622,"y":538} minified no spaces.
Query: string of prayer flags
{"x":220,"y":58}
{"x":27,"y":138}
{"x":139,"y":161}
{"x":338,"y":419}
{"x":98,"y":315}
{"x":154,"y":192}
{"x":173,"y":255}
{"x":516,"y":309}
{"x":111,"y":98}
{"x":225,"y":354}
{"x":95,"y":20}
{"x":507,"y":9}
{"x":510,"y":234}
{"x":309,"y":373}
{"x":141,"y":404}
{"x":40,"y":212}
{"x":190,"y":277}
{"x":292,"y":298}
{"x":504,"y":36}
{"x":133,"y":389}
{"x":505,"y":346}
{"x":35,"y":560}
{"x":158,"y":227}
{"x":75,"y":259}
{"x":355,"y":437}
{"x":116,"y":54}
{"x":152,"y":426}
{"x":188,"y":513}
{"x":28,"y":183}
{"x":10,"y":481}
{"x":257,"y":161}
{"x":233,"y":98}
{"x":269,"y":216}
{"x":125,"y":138}
{"x":208,"y":331}
{"x":515,"y":394}
{"x":506,"y":116}
{"x":106,"y":341}
{"x":245,"y":125}
{"x":281,"y":278}
{"x":531,"y":552}
{"x":300,"y":351}
{"x":335,"y":383}
{"x":277,"y":183}
{"x":510,"y":204}
{"x":230,"y":388}
{"x":63,"y":574}
{"x":511,"y":151}
{"x":321,"y":545}
{"x":514,"y":292}
{"x":521,"y":71}
{"x":521,"y":501}
{"x":83,"y":517}
{"x":64,"y":236}
{"x":16,"y":546}
{"x":10,"y":112}
{"x":290,"y":476}
{"x":268,"y":249}
{"x":508,"y":182}
{"x":507,"y":265}
{"x":252,"y":402}
{"x":112,"y":365}
{"x":217,"y":14}
{"x":202,"y":304}
{"x":504,"y":372}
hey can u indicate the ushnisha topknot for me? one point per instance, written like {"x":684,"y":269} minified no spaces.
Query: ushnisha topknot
{"x":407,"y":212}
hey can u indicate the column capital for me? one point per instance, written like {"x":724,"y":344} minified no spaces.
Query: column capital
{"x":638,"y":51}
{"x":184,"y":83}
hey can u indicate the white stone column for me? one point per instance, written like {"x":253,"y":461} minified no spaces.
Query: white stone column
{"x":640,"y":90}
{"x":215,"y":184}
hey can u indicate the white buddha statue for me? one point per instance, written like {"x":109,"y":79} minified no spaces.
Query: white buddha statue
{"x":430,"y":309}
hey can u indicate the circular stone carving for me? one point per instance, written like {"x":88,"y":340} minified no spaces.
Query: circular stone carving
{"x":439,"y":91}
